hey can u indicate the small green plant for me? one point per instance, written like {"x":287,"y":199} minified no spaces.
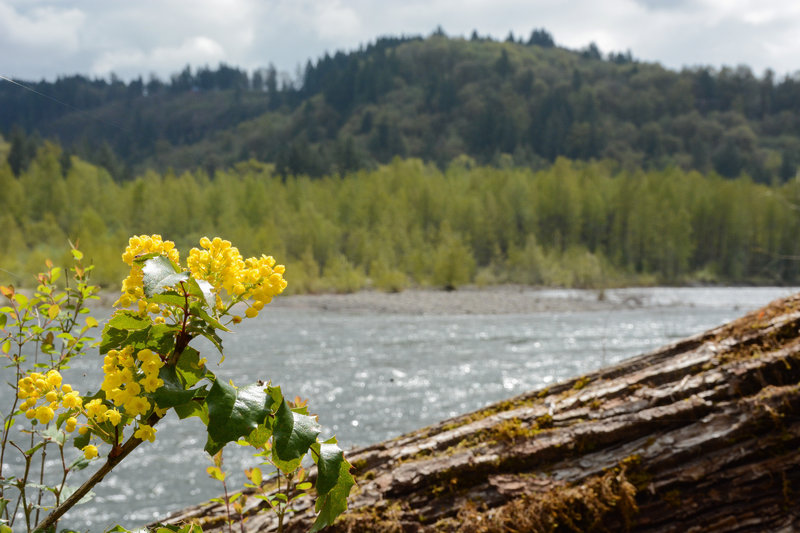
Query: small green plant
{"x":39,"y":334}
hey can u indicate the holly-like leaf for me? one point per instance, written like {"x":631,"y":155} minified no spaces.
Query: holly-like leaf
{"x":199,"y":327}
{"x":293,"y":435}
{"x":193,"y":408}
{"x":173,"y":392}
{"x":80,"y":441}
{"x":161,"y":338}
{"x":189,"y":368}
{"x":203,"y":290}
{"x":168,"y":298}
{"x":234,"y":413}
{"x":127,"y":320}
{"x":112,"y":338}
{"x":334,"y":482}
{"x":159,"y":274}
{"x":198,"y":311}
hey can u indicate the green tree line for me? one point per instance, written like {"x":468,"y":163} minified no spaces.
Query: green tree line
{"x":409,"y":223}
{"x":432,"y":98}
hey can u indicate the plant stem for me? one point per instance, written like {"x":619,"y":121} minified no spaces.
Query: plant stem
{"x":41,"y":481}
{"x":227,"y":506}
{"x":281,"y":510}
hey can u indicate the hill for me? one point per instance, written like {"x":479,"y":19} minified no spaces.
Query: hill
{"x":436,"y":98}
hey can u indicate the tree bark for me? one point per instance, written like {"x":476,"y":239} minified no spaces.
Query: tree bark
{"x":701,"y":435}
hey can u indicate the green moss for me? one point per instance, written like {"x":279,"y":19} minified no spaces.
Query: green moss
{"x":581,"y":382}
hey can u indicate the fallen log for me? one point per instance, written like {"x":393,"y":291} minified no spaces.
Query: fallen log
{"x":701,"y":435}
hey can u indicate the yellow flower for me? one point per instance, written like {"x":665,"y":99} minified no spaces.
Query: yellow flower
{"x":251,"y":312}
{"x":113,"y":416}
{"x":145,"y":432}
{"x":132,"y":289}
{"x":133,"y":388}
{"x":54,"y":379}
{"x":30,"y":414}
{"x":90,"y":451}
{"x":44,"y":414}
{"x":152,"y":367}
{"x":71,"y":400}
{"x":136,"y":406}
{"x":146,"y":355}
{"x":96,"y":409}
{"x":71,"y":423}
{"x":151,"y":383}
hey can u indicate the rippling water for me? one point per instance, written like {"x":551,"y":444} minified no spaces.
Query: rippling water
{"x":375,"y":376}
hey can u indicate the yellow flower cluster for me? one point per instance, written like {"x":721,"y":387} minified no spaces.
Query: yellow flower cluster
{"x":132,"y":289}
{"x":127,"y":376}
{"x":223,"y":267}
{"x":47,"y":387}
{"x":123,"y":383}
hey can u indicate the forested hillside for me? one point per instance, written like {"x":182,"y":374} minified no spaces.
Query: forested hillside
{"x":520,"y":102}
{"x":409,"y":223}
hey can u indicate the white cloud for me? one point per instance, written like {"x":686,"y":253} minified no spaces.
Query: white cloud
{"x":335,"y":20}
{"x":42,"y":38}
{"x":42,"y":27}
{"x":128,"y":63}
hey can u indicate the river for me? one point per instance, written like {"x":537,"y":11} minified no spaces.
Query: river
{"x":375,"y":375}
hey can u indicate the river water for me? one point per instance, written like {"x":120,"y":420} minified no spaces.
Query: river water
{"x":372,"y":376}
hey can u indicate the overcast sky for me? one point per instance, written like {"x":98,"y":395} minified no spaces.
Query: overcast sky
{"x":48,"y":38}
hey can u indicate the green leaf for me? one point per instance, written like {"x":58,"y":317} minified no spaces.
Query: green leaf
{"x":80,"y":441}
{"x":193,"y":408}
{"x":233,"y":413}
{"x":53,"y":433}
{"x":203,"y":290}
{"x":198,"y":311}
{"x":173,"y":392}
{"x":79,"y":464}
{"x":198,"y":327}
{"x":293,"y":435}
{"x":127,"y":320}
{"x":112,"y":339}
{"x":189,"y":368}
{"x":158,"y":274}
{"x":334,"y":482}
{"x":258,"y":437}
{"x":161,"y":338}
{"x":34,"y":449}
{"x":168,"y":298}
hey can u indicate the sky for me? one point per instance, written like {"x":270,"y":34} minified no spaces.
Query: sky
{"x":45,"y":39}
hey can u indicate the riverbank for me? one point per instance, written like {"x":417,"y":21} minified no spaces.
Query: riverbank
{"x":501,"y":299}
{"x":512,"y":299}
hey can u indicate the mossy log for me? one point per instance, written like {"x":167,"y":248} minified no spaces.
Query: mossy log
{"x":701,"y":435}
